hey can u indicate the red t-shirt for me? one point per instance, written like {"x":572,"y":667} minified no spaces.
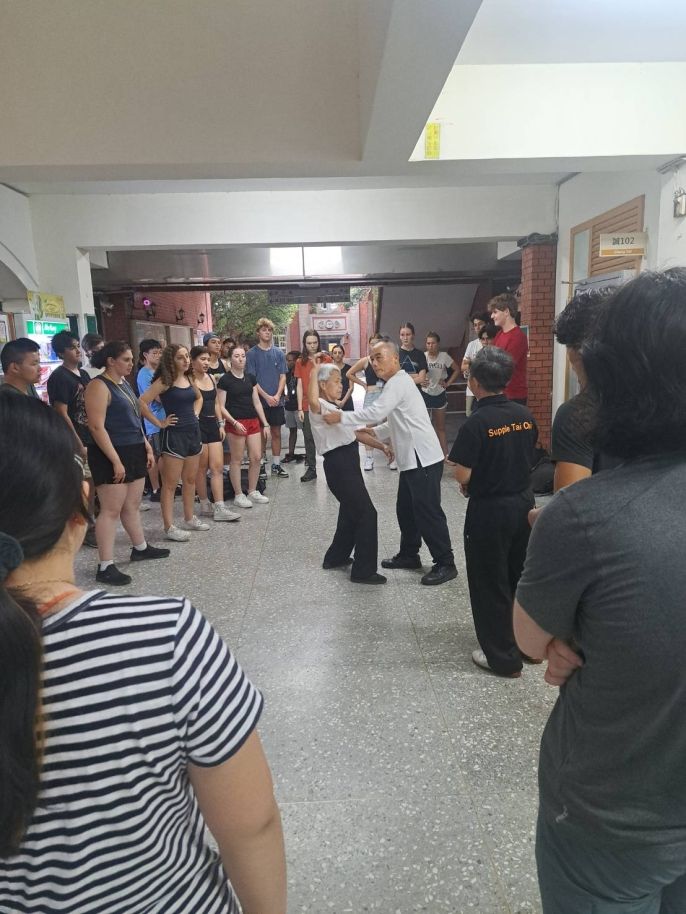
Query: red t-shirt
{"x":303,"y":372}
{"x":515,"y":342}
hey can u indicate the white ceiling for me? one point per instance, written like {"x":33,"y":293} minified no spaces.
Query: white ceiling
{"x":576,"y":31}
{"x":171,"y":96}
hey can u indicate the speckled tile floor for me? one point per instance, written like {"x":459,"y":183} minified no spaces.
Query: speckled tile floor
{"x":406,"y":777}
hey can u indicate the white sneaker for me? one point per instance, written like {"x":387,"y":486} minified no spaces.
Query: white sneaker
{"x":178,"y":536}
{"x":206,"y":510}
{"x":242,"y":501}
{"x":221,"y":512}
{"x":144,"y":506}
{"x":392,"y":465}
{"x":195,"y":524}
{"x":369,"y":463}
{"x":258,"y":498}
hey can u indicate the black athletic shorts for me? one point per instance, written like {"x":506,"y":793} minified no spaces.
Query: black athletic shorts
{"x":274,"y":415}
{"x":209,"y":430}
{"x":181,"y":442}
{"x":133,"y":456}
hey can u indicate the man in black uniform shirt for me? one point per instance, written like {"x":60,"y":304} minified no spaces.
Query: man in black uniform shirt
{"x":493,"y":454}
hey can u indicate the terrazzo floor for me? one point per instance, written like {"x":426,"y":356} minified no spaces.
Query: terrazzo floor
{"x":406,"y":777}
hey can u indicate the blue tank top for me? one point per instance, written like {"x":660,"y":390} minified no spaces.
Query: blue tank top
{"x":208,"y":401}
{"x":179,"y":402}
{"x":123,"y":418}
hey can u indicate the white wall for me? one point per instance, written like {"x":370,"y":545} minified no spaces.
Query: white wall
{"x":443,"y":308}
{"x":584,"y":197}
{"x":560,"y":110}
{"x":17,"y":251}
{"x":672,"y":240}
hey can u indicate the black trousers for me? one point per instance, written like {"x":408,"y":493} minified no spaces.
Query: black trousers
{"x":310,"y":449}
{"x":356,"y":528}
{"x":420,"y":516}
{"x":496,"y":534}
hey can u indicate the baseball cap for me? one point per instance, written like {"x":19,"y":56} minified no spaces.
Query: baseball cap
{"x":210,"y":336}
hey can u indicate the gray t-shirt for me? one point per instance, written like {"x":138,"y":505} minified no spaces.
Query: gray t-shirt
{"x":606,"y":567}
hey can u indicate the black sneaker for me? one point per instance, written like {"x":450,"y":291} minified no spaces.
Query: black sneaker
{"x":299,"y":458}
{"x":89,"y":539}
{"x":155,"y":496}
{"x":372,"y":579}
{"x":289,"y":458}
{"x":308,"y":475}
{"x":402,"y":561}
{"x":278,"y":470}
{"x":112,"y":576}
{"x":439,"y":574}
{"x":150,"y":552}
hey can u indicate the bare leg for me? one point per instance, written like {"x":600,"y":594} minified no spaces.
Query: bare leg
{"x":216,"y":461}
{"x":130,"y":514}
{"x":188,"y":477}
{"x":237,"y":445}
{"x":171,"y":474}
{"x":111,"y":498}
{"x":154,"y":476}
{"x":276,"y":441}
{"x":438,"y":419}
{"x":201,"y":478}
{"x":254,"y":453}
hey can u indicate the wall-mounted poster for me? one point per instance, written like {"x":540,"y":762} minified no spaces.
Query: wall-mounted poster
{"x":4,"y":329}
{"x":46,"y":306}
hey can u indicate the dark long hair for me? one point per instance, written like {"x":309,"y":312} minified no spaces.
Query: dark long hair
{"x":42,"y":490}
{"x":304,"y":355}
{"x":636,"y":367}
{"x":111,"y":350}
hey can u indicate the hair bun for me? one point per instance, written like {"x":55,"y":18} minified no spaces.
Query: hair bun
{"x":11,"y":555}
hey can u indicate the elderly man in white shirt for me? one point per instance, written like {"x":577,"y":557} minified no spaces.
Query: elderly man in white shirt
{"x":420,"y":461}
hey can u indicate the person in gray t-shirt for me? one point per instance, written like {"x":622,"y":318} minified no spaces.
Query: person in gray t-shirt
{"x":603,"y":598}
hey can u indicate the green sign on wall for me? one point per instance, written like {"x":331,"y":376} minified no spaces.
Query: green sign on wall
{"x":46,"y":328}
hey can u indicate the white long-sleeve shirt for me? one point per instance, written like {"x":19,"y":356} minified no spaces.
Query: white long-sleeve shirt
{"x":409,"y":426}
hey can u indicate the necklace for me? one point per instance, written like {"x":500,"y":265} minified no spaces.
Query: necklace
{"x":125,"y":391}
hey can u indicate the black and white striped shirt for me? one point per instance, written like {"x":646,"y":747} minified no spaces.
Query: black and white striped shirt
{"x":134,"y":689}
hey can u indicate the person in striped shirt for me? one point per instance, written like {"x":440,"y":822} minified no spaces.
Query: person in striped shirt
{"x":126,"y":724}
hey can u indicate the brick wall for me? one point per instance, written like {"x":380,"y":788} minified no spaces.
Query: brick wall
{"x":537,"y":304}
{"x":130,"y":307}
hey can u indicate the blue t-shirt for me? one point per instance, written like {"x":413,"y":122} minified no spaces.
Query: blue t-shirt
{"x":267,"y":365}
{"x":144,"y":380}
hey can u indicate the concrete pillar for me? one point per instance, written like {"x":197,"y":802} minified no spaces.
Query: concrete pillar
{"x":537,"y":305}
{"x":67,"y":272}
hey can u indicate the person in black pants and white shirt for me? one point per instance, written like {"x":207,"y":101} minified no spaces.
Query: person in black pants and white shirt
{"x":493,"y":453}
{"x":356,"y":528}
{"x":419,"y":456}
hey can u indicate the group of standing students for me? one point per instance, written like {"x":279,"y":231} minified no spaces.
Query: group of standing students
{"x":188,"y":407}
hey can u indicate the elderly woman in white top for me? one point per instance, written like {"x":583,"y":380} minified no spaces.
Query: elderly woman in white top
{"x":356,"y":528}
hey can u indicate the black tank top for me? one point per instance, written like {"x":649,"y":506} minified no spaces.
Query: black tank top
{"x":123,"y":418}
{"x":218,"y":371}
{"x":208,"y":400}
{"x":179,"y":402}
{"x":371,"y":377}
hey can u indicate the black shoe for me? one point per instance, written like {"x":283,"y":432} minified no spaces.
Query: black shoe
{"x":372,"y":579}
{"x":344,"y":564}
{"x":402,"y":561}
{"x":89,"y":539}
{"x":439,"y":574}
{"x":289,"y":458}
{"x":299,"y":458}
{"x":150,"y":552}
{"x":308,"y":475}
{"x":278,"y":470}
{"x":112,"y":576}
{"x":155,"y":496}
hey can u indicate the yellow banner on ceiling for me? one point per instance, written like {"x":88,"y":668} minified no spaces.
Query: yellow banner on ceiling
{"x":46,"y":306}
{"x":432,"y":141}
